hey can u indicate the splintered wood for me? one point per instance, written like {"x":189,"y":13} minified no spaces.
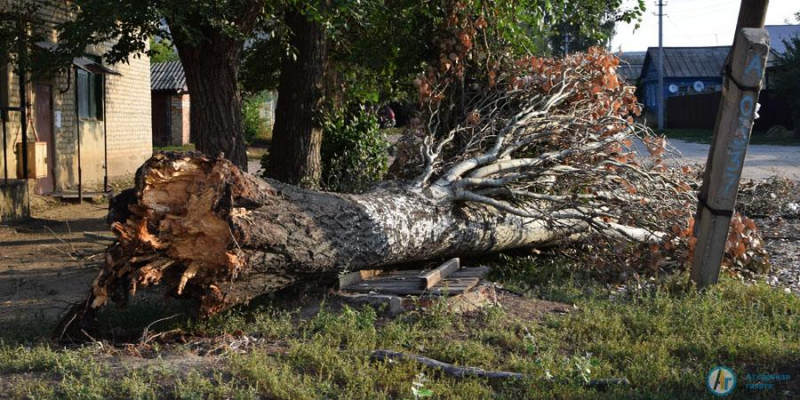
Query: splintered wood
{"x":173,"y":234}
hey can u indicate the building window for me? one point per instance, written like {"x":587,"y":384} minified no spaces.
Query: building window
{"x":90,"y":95}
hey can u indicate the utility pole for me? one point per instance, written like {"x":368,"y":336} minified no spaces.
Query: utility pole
{"x":660,"y":96}
{"x":744,"y":72}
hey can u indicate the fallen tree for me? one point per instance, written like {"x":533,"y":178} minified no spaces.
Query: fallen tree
{"x":544,"y":157}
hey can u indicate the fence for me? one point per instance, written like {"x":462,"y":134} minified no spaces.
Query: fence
{"x":700,"y":112}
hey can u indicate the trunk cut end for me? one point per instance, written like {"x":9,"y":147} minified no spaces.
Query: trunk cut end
{"x":177,"y":232}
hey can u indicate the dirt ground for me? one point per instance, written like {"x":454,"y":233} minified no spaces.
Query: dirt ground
{"x":47,"y":262}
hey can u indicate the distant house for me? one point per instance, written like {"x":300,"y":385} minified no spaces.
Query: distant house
{"x":630,"y":66}
{"x":777,"y":35}
{"x":780,"y":33}
{"x":687,"y":71}
{"x":170,"y":104}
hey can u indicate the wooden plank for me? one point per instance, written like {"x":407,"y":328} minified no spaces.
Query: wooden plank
{"x":433,"y":277}
{"x":357,"y":276}
{"x":455,"y":287}
{"x":735,"y":118}
{"x":476,"y":272}
{"x":449,"y":287}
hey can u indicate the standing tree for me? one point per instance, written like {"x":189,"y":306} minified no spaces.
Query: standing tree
{"x":297,"y":133}
{"x":162,"y":50}
{"x":208,"y":36}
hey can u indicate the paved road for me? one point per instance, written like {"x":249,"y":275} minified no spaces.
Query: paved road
{"x":762,"y":160}
{"x":254,"y":166}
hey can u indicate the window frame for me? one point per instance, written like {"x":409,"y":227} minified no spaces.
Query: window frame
{"x":89,"y":96}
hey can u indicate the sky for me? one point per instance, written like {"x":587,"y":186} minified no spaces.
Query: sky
{"x":694,"y":23}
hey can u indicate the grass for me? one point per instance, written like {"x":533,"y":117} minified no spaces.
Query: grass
{"x":186,"y":147}
{"x":664,"y":338}
{"x":704,"y":136}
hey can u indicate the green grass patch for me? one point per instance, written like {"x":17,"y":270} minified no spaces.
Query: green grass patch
{"x":186,"y":147}
{"x":663,"y":336}
{"x":704,"y":136}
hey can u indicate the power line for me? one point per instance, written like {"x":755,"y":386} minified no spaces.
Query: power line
{"x":677,"y":29}
{"x":708,"y":6}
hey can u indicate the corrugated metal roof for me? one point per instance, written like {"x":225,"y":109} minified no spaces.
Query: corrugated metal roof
{"x":167,"y":76}
{"x":690,"y":62}
{"x":632,"y":57}
{"x":630,"y":73}
{"x":779,"y":33}
{"x":630,"y":65}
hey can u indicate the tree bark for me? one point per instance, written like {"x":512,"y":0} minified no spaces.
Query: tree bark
{"x":206,"y":230}
{"x":210,"y":56}
{"x":212,"y":70}
{"x":297,"y":134}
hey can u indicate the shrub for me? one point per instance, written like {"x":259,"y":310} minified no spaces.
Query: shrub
{"x":255,"y":127}
{"x":354,"y":152}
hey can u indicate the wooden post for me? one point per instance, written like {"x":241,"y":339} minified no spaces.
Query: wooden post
{"x":717,"y":197}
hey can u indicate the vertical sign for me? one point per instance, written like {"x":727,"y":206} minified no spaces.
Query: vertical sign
{"x":744,"y":73}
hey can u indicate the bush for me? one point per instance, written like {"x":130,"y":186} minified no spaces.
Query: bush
{"x":354,"y":152}
{"x":255,"y":127}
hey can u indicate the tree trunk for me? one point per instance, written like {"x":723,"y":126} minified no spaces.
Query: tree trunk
{"x":205,"y":230}
{"x":216,"y":112}
{"x":297,"y":134}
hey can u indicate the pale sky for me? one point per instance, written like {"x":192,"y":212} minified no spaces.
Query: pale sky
{"x":694,"y":23}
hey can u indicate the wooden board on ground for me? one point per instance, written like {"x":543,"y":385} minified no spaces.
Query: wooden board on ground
{"x":430,"y":279}
{"x":404,"y":283}
{"x":476,"y":298}
{"x":358,"y":276}
{"x":399,"y":291}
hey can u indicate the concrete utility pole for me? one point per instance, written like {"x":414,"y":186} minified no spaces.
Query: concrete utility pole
{"x":660,"y":95}
{"x":744,"y":72}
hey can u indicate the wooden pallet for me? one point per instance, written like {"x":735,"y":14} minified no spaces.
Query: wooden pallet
{"x":407,"y":283}
{"x":448,"y":279}
{"x":403,"y":290}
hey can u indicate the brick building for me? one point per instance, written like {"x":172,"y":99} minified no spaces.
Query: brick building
{"x":170,"y":104}
{"x":106,"y":135}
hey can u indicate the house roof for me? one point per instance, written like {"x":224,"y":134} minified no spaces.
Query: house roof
{"x":167,"y":76}
{"x":630,"y":65}
{"x":630,"y":73}
{"x":632,"y":57}
{"x":689,"y":62}
{"x":779,"y":33}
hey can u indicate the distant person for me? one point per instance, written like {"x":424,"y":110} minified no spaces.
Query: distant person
{"x":386,"y":117}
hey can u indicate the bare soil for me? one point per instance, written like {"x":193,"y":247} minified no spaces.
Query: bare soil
{"x":46,"y":262}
